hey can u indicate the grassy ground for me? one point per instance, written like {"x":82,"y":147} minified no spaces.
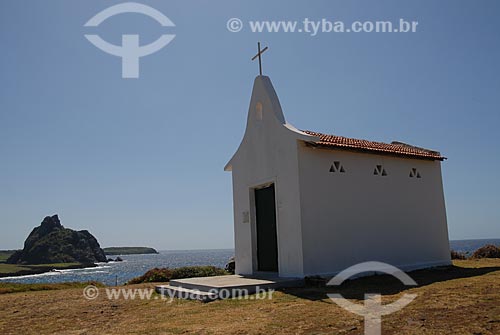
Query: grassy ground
{"x":15,"y":269}
{"x":464,"y":299}
{"x":10,"y":268}
{"x":16,"y":287}
{"x":4,"y":254}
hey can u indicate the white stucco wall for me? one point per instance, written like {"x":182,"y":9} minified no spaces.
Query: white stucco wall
{"x":327,"y":221}
{"x":268,"y":153}
{"x":356,"y":216}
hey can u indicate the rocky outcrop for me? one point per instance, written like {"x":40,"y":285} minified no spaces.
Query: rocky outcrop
{"x":52,"y":243}
{"x":231,"y":265}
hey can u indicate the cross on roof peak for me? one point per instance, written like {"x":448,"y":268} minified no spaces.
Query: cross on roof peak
{"x":260,"y":52}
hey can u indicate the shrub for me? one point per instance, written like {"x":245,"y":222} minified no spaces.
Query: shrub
{"x":6,"y":287}
{"x":153,"y":275}
{"x":488,"y":251}
{"x":197,"y":271}
{"x":231,"y":266}
{"x":166,"y":274}
{"x":457,"y":255}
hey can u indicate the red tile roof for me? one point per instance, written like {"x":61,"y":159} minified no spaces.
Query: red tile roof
{"x":394,"y":148}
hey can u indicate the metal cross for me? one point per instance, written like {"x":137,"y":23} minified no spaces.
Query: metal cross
{"x":258,"y":55}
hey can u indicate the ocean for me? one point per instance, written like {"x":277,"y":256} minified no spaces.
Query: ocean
{"x":131,"y":267}
{"x":136,"y":265}
{"x":469,"y":246}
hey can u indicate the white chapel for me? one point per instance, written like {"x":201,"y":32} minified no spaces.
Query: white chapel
{"x":307,"y":203}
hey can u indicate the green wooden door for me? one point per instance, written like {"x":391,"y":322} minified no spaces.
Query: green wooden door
{"x":267,"y":237}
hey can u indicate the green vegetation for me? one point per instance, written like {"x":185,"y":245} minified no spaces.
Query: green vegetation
{"x":166,"y":274}
{"x":16,"y":287}
{"x":488,"y":251}
{"x":5,"y":254}
{"x":129,"y":250}
{"x":7,"y":270}
{"x":458,"y":255}
{"x":11,"y":268}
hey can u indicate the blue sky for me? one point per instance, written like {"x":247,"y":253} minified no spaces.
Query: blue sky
{"x":140,"y":161}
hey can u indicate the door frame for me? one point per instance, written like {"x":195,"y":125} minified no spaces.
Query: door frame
{"x":253,"y":219}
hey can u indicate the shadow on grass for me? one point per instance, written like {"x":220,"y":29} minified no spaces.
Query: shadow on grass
{"x":386,"y":284}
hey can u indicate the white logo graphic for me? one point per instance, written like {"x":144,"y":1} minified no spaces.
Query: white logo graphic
{"x":130,"y":51}
{"x":372,"y":310}
{"x":90,"y":292}
{"x":234,"y":25}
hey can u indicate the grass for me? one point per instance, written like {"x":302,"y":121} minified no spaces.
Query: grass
{"x":12,"y":268}
{"x":17,"y":288}
{"x":463,"y":299}
{"x":16,"y":269}
{"x":5,"y":254}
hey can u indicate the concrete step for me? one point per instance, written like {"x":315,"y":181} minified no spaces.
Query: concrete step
{"x":185,"y":293}
{"x":235,"y":282}
{"x":223,"y":287}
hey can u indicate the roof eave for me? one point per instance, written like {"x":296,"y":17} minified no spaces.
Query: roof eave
{"x":374,"y":151}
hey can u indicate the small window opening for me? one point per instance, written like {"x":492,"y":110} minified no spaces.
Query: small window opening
{"x":414,"y":173}
{"x":379,"y":171}
{"x":337,"y":167}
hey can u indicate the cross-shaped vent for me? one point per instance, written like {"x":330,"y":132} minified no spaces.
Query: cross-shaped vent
{"x":337,"y":167}
{"x":379,"y":171}
{"x":414,"y":173}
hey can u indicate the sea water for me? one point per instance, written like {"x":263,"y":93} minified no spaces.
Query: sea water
{"x":131,"y":267}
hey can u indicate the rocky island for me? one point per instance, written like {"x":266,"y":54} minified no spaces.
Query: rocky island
{"x":52,"y":243}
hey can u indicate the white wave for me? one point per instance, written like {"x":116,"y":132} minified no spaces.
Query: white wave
{"x":45,"y":274}
{"x":111,"y":262}
{"x":90,"y":272}
{"x":56,"y":272}
{"x":79,"y":269}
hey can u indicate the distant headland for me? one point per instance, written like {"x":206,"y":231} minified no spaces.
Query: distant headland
{"x":112,"y":251}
